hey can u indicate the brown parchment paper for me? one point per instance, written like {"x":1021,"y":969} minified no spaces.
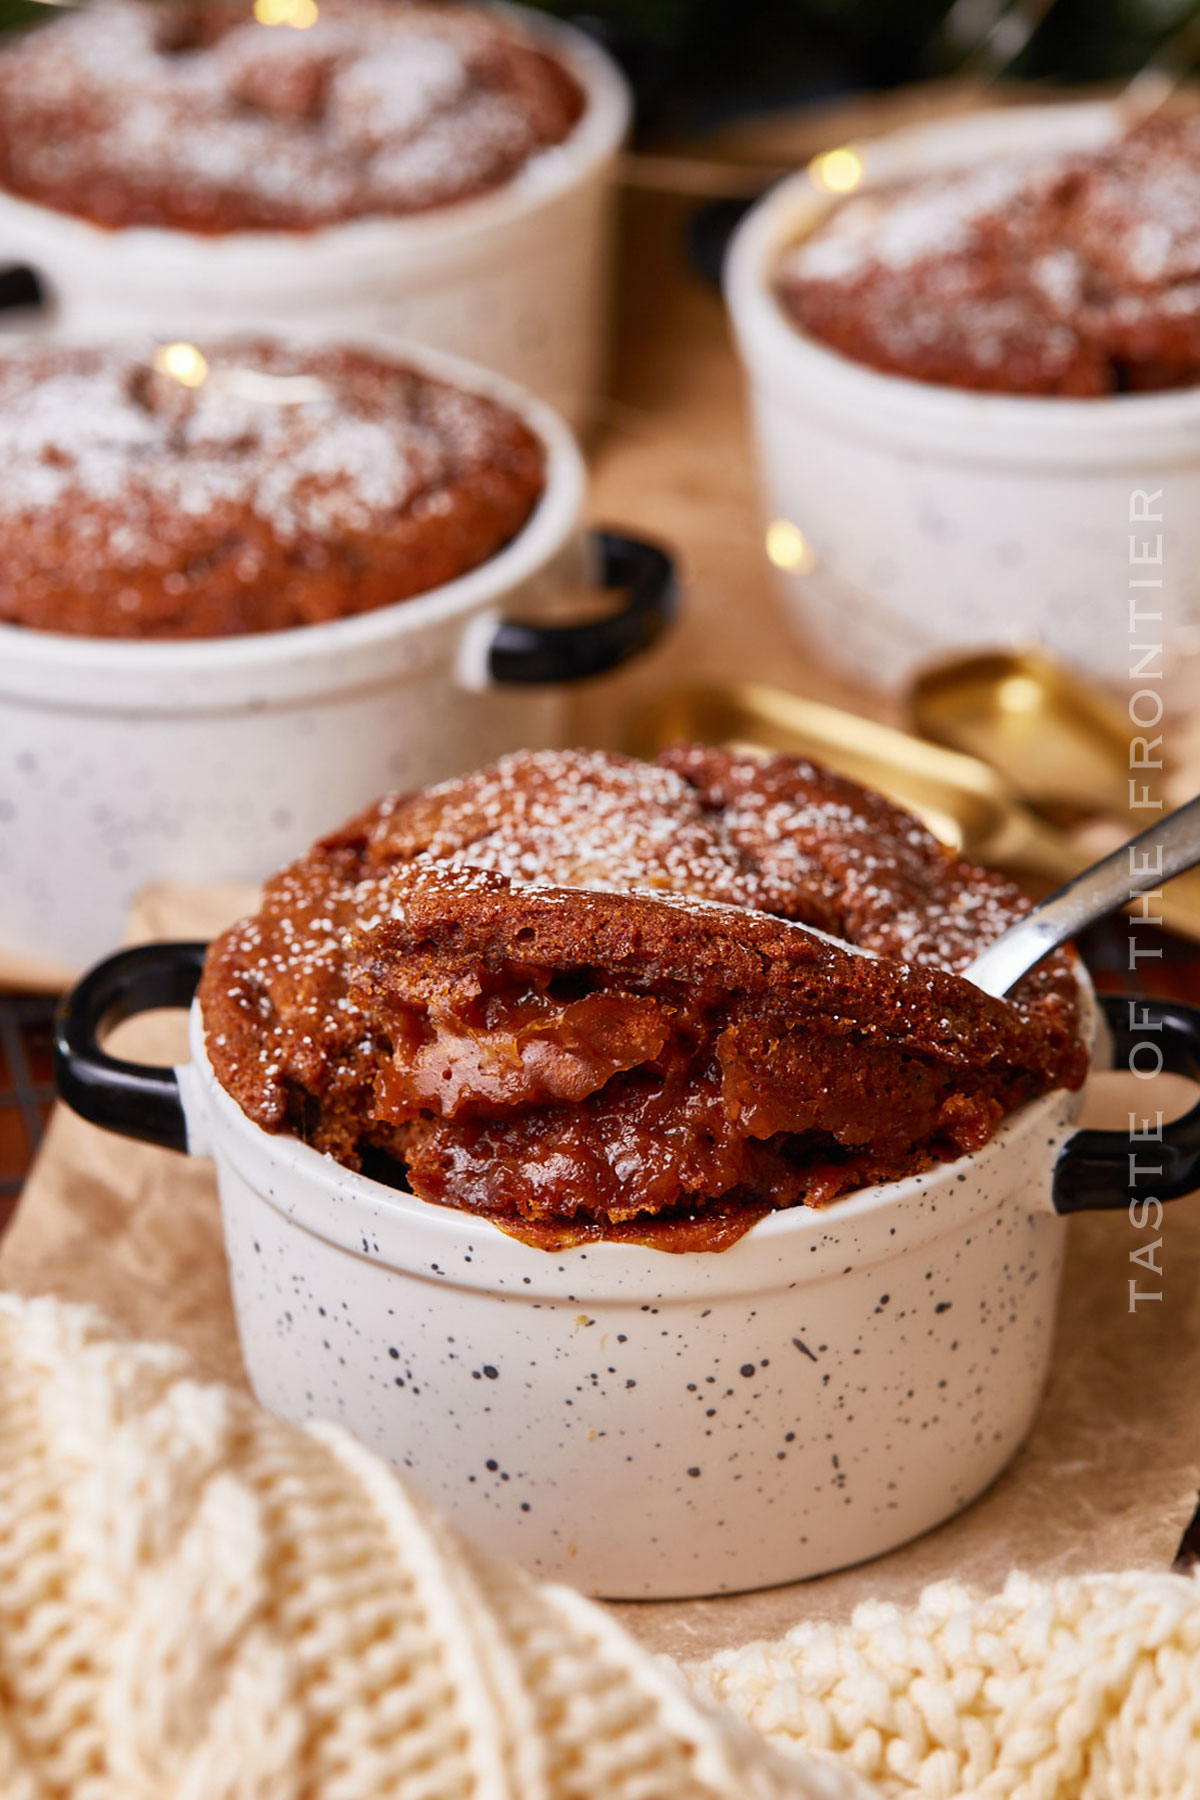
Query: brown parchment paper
{"x":1110,"y":1473}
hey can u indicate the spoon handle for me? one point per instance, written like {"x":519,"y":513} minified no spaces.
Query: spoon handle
{"x":1140,"y":866}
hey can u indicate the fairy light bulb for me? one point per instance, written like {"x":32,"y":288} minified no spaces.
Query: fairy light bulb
{"x":299,"y":14}
{"x":183,"y":362}
{"x":837,"y":171}
{"x":788,"y":548}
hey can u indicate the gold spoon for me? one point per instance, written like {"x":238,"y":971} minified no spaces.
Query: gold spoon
{"x":967,"y":805}
{"x":1061,"y":742}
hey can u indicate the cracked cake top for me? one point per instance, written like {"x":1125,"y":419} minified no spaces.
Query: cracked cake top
{"x":587,"y":996}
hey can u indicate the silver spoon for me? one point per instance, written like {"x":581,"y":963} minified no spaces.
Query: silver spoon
{"x":1164,"y":850}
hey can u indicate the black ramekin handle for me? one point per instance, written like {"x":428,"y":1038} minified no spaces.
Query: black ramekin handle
{"x":1104,"y":1170}
{"x":139,"y":1100}
{"x":644,"y":572}
{"x":20,"y":288}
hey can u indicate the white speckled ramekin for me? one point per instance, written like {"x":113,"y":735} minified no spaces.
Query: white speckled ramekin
{"x":648,"y":1426}
{"x":517,"y":279}
{"x":126,"y":762}
{"x":644,"y":1425}
{"x":935,"y":520}
{"x":641,"y":1424}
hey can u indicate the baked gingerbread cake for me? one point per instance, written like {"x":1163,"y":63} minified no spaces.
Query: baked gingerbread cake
{"x":1068,"y":275}
{"x":272,"y":487}
{"x":199,"y":118}
{"x":585,"y":996}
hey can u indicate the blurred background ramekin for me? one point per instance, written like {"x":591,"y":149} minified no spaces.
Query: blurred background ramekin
{"x":214,"y":760}
{"x":907,"y":521}
{"x":517,"y":279}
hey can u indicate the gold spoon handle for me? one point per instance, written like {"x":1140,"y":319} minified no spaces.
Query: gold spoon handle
{"x":1023,"y":841}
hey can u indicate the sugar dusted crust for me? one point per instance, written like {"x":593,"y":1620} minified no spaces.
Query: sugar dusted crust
{"x":1072,"y":275}
{"x":289,"y":488}
{"x":196,"y":118}
{"x":589,"y":997}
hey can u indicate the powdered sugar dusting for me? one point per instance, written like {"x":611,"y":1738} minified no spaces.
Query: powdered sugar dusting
{"x":821,"y":845}
{"x":104,"y":429}
{"x":1072,"y":274}
{"x":134,"y":113}
{"x":1142,"y":223}
{"x":579,"y":819}
{"x":896,"y":229}
{"x":708,"y":829}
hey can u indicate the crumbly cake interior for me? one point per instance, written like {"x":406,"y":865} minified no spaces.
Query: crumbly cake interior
{"x":198,"y":118}
{"x":590,"y":997}
{"x":286,"y":487}
{"x":1071,"y":275}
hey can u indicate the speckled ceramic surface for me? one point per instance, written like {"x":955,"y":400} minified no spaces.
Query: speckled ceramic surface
{"x":647,"y":1425}
{"x":517,"y":280}
{"x":935,"y":520}
{"x":123,"y":762}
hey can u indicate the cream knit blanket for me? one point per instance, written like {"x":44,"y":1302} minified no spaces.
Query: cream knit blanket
{"x":198,"y":1602}
{"x":1085,"y":1689}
